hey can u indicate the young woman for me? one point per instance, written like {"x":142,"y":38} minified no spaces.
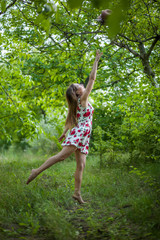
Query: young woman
{"x":79,"y":121}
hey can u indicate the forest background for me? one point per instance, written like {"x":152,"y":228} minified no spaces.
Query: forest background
{"x":47,"y":45}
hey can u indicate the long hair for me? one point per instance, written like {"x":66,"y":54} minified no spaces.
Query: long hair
{"x":72,"y":100}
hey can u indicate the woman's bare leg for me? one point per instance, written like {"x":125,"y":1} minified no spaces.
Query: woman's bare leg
{"x":63,"y":154}
{"x":81,"y":161}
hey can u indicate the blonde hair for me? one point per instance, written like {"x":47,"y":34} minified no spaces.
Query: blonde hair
{"x":72,"y":100}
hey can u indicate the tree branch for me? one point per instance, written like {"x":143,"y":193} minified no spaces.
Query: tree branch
{"x":65,"y":8}
{"x":86,"y":32}
{"x":131,"y":40}
{"x":56,"y":43}
{"x":152,"y":46}
{"x":122,"y":45}
{"x":153,"y":27}
{"x":127,"y":38}
{"x":32,"y":23}
{"x":146,"y":64}
{"x":126,"y":77}
{"x":9,"y":97}
{"x":78,"y":14}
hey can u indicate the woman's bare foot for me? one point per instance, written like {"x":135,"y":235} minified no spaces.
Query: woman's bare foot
{"x":32,"y":176}
{"x":78,"y":198}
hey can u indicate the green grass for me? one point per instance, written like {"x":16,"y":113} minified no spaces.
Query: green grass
{"x":121,"y":205}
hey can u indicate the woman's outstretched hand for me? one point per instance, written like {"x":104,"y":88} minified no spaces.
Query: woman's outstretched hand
{"x":62,"y":136}
{"x":98,"y":54}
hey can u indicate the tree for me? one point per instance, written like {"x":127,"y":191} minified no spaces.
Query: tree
{"x":45,"y":47}
{"x":141,"y":35}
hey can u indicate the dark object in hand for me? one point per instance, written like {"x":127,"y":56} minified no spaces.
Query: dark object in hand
{"x":104,"y":16}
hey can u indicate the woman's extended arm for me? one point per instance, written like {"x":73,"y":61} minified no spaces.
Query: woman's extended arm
{"x":64,"y":133}
{"x":92,"y":77}
{"x":93,"y":73}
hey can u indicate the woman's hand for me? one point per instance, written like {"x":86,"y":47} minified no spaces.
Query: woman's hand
{"x":92,"y":77}
{"x":98,"y":55}
{"x":62,"y":136}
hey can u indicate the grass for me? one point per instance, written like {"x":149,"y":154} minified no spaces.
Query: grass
{"x":122,"y":202}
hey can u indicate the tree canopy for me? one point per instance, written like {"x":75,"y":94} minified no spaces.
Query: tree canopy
{"x":46,"y":45}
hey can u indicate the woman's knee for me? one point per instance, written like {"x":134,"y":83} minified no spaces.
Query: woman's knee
{"x":62,"y":156}
{"x":66,"y":152}
{"x":81,"y":166}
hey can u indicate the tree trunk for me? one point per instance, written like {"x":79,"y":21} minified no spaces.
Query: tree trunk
{"x":147,"y":68}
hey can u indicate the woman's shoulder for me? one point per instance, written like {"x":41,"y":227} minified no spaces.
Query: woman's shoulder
{"x":83,"y":103}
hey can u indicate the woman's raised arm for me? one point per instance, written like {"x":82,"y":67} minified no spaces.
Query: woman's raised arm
{"x":92,"y":77}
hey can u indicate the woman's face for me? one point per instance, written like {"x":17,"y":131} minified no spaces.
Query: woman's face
{"x":80,"y":89}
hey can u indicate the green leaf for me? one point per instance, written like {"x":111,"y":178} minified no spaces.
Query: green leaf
{"x":3,"y":5}
{"x":75,"y":4}
{"x":100,"y":3}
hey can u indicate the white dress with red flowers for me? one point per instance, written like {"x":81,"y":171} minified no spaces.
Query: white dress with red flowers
{"x":79,"y":136}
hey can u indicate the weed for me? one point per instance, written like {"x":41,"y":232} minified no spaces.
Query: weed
{"x":121,"y":204}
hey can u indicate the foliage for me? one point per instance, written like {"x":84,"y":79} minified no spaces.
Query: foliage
{"x":131,"y":122}
{"x":146,"y":179}
{"x":45,"y":46}
{"x":47,"y":142}
{"x":141,"y":124}
{"x":100,"y":145}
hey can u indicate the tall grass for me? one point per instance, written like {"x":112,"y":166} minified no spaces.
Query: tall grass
{"x":122,"y":203}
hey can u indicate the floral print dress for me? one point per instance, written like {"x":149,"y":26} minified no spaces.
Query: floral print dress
{"x":79,"y":136}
